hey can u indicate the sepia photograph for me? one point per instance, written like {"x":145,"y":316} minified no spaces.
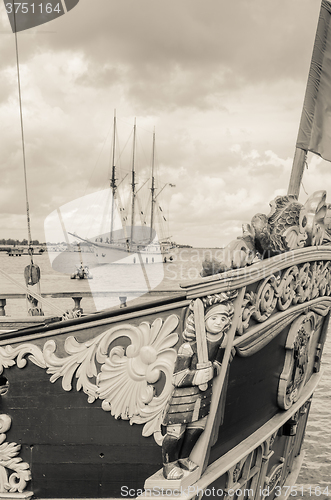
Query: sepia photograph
{"x":165,"y":249}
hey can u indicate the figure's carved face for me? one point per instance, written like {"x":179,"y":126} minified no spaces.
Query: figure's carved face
{"x":217,"y":322}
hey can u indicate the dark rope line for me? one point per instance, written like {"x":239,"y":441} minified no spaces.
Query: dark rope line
{"x":22,"y":134}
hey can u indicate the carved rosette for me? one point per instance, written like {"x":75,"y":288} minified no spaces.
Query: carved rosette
{"x":294,"y":372}
{"x":14,"y":474}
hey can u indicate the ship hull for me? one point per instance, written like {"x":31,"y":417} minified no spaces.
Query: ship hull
{"x":74,"y":427}
{"x":144,"y":249}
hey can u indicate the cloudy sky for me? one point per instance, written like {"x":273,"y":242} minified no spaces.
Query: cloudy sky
{"x":222,"y":82}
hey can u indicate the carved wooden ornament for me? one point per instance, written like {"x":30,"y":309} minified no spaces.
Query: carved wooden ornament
{"x":288,"y":226}
{"x":293,"y":376}
{"x":123,"y":376}
{"x":294,"y":285}
{"x":14,"y":473}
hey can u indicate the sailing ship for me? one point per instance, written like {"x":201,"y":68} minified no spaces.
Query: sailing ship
{"x":131,"y":244}
{"x":216,"y":382}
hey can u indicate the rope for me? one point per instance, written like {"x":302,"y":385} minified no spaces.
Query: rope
{"x":22,"y":134}
{"x":33,"y":294}
{"x":303,"y":187}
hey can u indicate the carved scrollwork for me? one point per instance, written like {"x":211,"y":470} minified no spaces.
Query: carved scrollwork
{"x":288,"y":226}
{"x":8,"y":354}
{"x":14,"y":473}
{"x":266,"y":298}
{"x":126,"y":380}
{"x":294,"y":372}
{"x":304,"y":285}
{"x":287,"y":288}
{"x":295,"y":285}
{"x":123,"y":376}
{"x":321,"y":279}
{"x":248,"y":309}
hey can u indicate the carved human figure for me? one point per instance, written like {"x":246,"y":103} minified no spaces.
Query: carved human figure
{"x":188,"y":408}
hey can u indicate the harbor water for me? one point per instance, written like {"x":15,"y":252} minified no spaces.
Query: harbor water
{"x":315,"y":476}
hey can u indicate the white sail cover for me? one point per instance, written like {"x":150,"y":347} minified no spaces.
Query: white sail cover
{"x":315,"y":125}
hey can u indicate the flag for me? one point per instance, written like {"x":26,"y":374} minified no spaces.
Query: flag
{"x":315,"y":125}
{"x":29,"y":14}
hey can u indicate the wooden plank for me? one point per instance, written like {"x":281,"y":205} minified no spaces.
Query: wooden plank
{"x":63,"y":295}
{"x":106,"y":318}
{"x":230,"y":459}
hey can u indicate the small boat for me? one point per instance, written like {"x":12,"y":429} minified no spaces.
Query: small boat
{"x":206,"y":392}
{"x":82,"y":272}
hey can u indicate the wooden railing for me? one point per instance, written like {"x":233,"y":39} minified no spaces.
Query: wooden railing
{"x":78,"y":296}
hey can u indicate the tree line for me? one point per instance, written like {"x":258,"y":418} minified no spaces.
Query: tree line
{"x":11,"y":241}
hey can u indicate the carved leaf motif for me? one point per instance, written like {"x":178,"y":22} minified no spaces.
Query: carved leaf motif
{"x":149,"y":353}
{"x":127,"y":377}
{"x":9,"y":353}
{"x":8,"y":450}
{"x":81,"y":363}
{"x":14,"y":473}
{"x":273,"y":480}
{"x":236,"y":473}
{"x":296,"y":284}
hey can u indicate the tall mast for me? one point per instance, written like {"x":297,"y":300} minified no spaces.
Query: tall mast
{"x":297,"y":172}
{"x":152,"y":189}
{"x":113,"y":182}
{"x":133,"y":184}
